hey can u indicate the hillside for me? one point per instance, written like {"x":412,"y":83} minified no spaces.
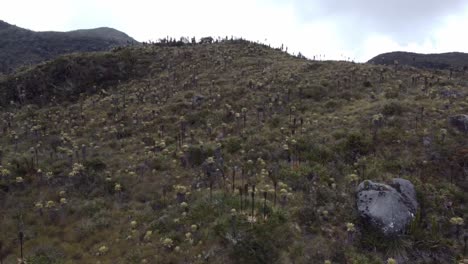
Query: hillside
{"x":143,"y":154}
{"x":19,"y":47}
{"x":454,"y":60}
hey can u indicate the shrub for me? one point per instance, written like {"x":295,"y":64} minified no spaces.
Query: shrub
{"x":22,"y":166}
{"x":391,"y":135}
{"x":198,"y":155}
{"x":331,"y":104}
{"x":367,"y":84}
{"x":160,"y":163}
{"x":355,"y":144}
{"x":297,"y":178}
{"x":315,"y":92}
{"x":95,"y":165}
{"x":233,"y":145}
{"x":317,"y":153}
{"x":46,"y":255}
{"x":197,"y":118}
{"x":263,"y":243}
{"x":391,"y":94}
{"x":275,"y":122}
{"x":393,"y":108}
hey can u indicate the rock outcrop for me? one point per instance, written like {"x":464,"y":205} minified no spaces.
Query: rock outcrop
{"x":389,"y":208}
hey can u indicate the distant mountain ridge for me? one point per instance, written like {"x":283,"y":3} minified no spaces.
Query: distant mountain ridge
{"x":19,"y":46}
{"x":451,"y":60}
{"x":103,"y":33}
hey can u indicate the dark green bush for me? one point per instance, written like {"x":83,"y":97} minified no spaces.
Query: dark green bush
{"x":262,"y":243}
{"x":160,"y":163}
{"x":331,"y":104}
{"x":46,"y":255}
{"x":95,"y":165}
{"x":198,"y":154}
{"x":393,"y":108}
{"x":367,"y":84}
{"x":356,"y":144}
{"x":23,"y":165}
{"x":275,"y":122}
{"x":233,"y":144}
{"x":316,"y":92}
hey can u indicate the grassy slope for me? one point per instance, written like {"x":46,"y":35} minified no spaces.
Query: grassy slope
{"x":127,"y":130}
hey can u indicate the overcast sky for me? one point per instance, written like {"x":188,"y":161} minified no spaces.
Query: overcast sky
{"x":357,"y":29}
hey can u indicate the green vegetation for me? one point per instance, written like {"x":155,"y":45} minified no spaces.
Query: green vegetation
{"x":160,"y":154}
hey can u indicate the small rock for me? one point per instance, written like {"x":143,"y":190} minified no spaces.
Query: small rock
{"x":427,"y":141}
{"x":197,"y":100}
{"x":460,"y":122}
{"x":447,"y":93}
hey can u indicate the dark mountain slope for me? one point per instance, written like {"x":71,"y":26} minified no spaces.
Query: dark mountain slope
{"x":19,"y":47}
{"x":455,"y":60}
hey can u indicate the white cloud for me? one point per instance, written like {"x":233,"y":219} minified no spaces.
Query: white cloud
{"x":451,"y":35}
{"x":272,"y":21}
{"x":37,"y":15}
{"x":447,"y":37}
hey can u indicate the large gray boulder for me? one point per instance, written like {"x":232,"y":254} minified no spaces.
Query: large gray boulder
{"x":460,"y":122}
{"x":389,"y":208}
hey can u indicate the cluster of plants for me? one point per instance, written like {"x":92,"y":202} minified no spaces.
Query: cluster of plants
{"x":229,"y":152}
